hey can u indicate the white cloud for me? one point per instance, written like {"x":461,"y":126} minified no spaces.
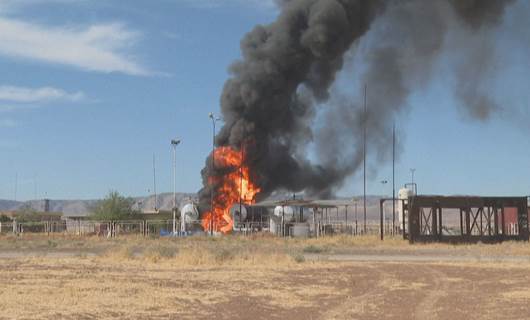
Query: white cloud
{"x":101,"y":47}
{"x":32,"y":95}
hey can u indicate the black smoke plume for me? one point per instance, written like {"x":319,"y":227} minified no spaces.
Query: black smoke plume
{"x":288,"y":68}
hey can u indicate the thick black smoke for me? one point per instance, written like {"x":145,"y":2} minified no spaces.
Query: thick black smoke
{"x":288,"y":67}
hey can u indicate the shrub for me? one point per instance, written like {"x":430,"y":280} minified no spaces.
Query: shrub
{"x":299,"y":258}
{"x":313,"y":249}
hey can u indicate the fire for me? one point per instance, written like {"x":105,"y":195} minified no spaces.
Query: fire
{"x":234,"y":184}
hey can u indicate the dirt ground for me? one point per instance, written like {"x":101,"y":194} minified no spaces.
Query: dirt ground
{"x":293,"y":282}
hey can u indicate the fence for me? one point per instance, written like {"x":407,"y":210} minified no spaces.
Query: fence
{"x":161,"y":228}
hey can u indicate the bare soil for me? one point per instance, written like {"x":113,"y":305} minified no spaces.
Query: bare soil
{"x":395,"y":284}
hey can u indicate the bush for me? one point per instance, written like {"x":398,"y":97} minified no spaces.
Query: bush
{"x":299,"y":258}
{"x":313,"y":249}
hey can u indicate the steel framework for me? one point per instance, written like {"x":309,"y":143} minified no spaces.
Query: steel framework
{"x":480,"y":219}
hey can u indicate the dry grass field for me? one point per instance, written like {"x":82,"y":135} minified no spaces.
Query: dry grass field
{"x":258,"y":278}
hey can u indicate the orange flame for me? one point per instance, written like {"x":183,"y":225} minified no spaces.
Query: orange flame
{"x":228,"y":189}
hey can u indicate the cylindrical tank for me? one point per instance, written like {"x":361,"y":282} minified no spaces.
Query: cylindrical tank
{"x":403,"y":196}
{"x":238,"y":213}
{"x":287,"y":212}
{"x":189,"y":213}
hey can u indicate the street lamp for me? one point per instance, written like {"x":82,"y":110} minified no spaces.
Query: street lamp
{"x":383,"y":184}
{"x":214,"y":120}
{"x":355,"y":201}
{"x":174,"y":144}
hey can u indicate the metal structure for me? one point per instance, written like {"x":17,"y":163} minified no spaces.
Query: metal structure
{"x":473,"y":219}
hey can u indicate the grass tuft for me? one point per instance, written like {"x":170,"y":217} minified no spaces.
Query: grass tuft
{"x":298,"y":258}
{"x":313,"y":249}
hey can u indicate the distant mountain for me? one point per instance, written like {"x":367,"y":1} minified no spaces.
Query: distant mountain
{"x":164,"y":202}
{"x":84,"y":207}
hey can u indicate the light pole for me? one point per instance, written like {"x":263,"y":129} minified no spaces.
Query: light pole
{"x":412,"y":171}
{"x":174,"y":144}
{"x":355,"y":206}
{"x":383,"y":184}
{"x":365,"y":119}
{"x":214,"y":120}
{"x":393,"y":178}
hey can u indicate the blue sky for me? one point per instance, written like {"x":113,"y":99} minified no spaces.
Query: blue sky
{"x":89,"y":90}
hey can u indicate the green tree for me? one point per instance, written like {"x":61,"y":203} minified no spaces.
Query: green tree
{"x":114,"y":207}
{"x":26,"y":213}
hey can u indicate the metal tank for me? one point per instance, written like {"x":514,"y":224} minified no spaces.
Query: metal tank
{"x":287,"y":212}
{"x":239,"y":214}
{"x":403,"y":196}
{"x":189,"y":214}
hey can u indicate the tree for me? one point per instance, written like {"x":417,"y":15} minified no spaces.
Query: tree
{"x":27,"y":213}
{"x":114,"y":207}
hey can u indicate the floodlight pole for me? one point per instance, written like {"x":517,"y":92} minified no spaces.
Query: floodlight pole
{"x":393,"y":178}
{"x":174,"y":144}
{"x":382,"y":208}
{"x":241,"y":186}
{"x":214,"y":120}
{"x":364,"y":158}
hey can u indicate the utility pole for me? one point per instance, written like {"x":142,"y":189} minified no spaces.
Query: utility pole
{"x":365,"y":119}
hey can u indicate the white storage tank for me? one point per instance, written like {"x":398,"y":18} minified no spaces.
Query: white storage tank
{"x":287,"y":212}
{"x":403,"y":196}
{"x":189,"y":213}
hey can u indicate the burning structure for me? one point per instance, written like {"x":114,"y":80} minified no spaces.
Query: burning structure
{"x":286,"y":77}
{"x":233,"y":184}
